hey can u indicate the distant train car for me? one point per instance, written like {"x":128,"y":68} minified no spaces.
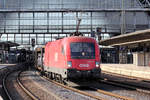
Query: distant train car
{"x":38,"y":61}
{"x":72,"y":57}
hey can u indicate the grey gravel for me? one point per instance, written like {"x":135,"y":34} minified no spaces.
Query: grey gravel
{"x":61,"y":92}
{"x":14,"y":89}
{"x":30,"y":77}
{"x":127,"y":92}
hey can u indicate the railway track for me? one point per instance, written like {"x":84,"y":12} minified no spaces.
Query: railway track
{"x":128,"y":77}
{"x":36,"y":96}
{"x":112,"y":94}
{"x":4,"y":72}
{"x":127,"y":86}
{"x":5,"y":88}
{"x":89,"y":94}
{"x":28,"y":92}
{"x":126,"y":83}
{"x":8,"y":89}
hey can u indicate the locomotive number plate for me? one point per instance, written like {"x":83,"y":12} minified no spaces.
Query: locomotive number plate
{"x":84,"y":65}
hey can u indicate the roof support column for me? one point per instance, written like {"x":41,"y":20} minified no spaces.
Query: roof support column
{"x":123,"y":55}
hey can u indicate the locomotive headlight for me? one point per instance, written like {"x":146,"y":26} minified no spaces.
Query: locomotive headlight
{"x":97,"y":64}
{"x":69,"y":63}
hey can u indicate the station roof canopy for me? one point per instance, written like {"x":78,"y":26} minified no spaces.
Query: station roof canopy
{"x":142,"y":36}
{"x":9,"y":43}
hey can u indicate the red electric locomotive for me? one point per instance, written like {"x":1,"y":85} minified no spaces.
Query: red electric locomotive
{"x":72,"y":57}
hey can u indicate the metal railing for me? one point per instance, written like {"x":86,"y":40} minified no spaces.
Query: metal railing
{"x":144,"y":3}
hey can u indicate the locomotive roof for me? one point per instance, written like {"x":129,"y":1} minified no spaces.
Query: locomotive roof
{"x":78,"y":37}
{"x":73,"y":38}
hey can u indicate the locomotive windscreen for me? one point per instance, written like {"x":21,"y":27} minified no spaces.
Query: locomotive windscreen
{"x":82,"y":50}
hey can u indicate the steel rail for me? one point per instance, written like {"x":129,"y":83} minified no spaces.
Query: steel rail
{"x":75,"y":90}
{"x":33,"y":97}
{"x":98,"y":90}
{"x":132,"y":87}
{"x":5,"y":87}
{"x":90,"y":95}
{"x":113,"y":95}
{"x":126,"y":76}
{"x":8,"y":71}
{"x":4,"y":68}
{"x":6,"y":74}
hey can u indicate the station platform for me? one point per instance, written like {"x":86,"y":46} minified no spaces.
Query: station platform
{"x":128,"y":70}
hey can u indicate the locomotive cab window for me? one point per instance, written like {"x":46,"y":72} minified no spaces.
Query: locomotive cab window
{"x":82,"y":50}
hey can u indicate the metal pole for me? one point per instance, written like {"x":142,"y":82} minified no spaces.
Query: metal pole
{"x":62,"y":23}
{"x":123,"y":18}
{"x":91,"y":21}
{"x":4,"y":4}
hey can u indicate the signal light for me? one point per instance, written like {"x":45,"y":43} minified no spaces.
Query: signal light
{"x":33,"y":42}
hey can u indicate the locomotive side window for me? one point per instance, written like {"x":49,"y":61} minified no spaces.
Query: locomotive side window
{"x":82,"y":50}
{"x":62,"y":50}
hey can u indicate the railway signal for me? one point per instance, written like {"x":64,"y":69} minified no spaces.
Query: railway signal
{"x":33,"y":42}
